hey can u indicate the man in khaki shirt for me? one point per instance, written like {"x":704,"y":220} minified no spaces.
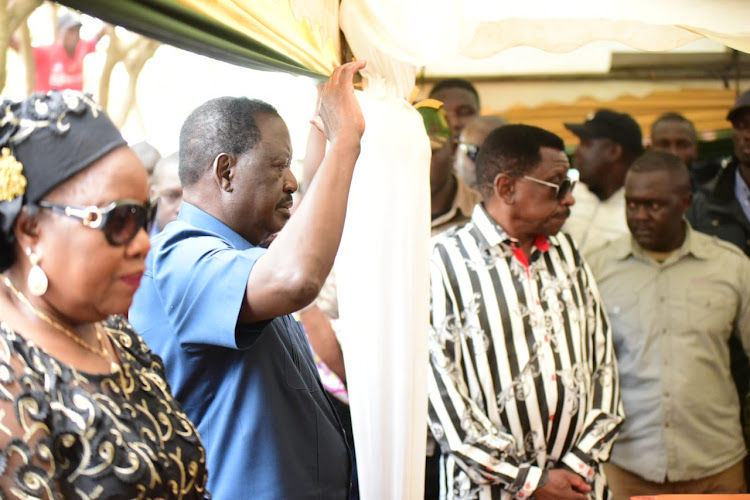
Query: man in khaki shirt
{"x":674,"y":297}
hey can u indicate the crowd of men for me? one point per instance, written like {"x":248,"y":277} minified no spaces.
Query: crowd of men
{"x":590,"y":323}
{"x":584,"y":336}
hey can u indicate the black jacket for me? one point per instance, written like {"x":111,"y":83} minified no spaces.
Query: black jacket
{"x":716,"y":211}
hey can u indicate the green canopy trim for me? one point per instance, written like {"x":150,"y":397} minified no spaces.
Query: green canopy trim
{"x":178,"y":25}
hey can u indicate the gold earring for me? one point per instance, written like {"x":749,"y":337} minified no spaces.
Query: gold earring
{"x":37,"y":281}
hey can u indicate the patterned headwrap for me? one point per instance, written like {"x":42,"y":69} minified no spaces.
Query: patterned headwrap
{"x":44,"y":140}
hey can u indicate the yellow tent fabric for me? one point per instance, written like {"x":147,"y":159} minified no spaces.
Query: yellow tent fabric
{"x":305,"y":31}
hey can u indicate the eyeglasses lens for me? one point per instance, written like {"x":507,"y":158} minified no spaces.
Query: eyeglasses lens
{"x":124,"y":222}
{"x":566,"y":187}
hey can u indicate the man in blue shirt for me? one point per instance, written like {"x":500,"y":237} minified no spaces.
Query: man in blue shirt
{"x":215,"y":304}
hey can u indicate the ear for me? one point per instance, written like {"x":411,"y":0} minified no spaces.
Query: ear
{"x":26,"y":228}
{"x":685,"y":200}
{"x":223,"y":171}
{"x":614,"y":152}
{"x":505,"y":188}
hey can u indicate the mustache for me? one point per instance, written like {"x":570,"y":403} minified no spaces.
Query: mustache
{"x":286,"y":201}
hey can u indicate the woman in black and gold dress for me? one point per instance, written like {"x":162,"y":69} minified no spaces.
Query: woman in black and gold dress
{"x":85,"y":411}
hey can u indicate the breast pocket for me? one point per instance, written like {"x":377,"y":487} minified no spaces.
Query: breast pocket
{"x":711,"y":309}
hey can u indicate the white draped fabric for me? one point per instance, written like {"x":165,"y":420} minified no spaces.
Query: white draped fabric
{"x":382,"y":278}
{"x":382,"y":272}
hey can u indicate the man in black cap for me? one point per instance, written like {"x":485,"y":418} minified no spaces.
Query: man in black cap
{"x":723,"y":209}
{"x":610,"y":141}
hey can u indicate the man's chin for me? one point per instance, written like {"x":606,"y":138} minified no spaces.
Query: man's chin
{"x":554,"y":225}
{"x":265,"y":243}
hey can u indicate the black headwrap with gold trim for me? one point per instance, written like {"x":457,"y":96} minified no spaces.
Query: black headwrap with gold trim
{"x":45,"y":140}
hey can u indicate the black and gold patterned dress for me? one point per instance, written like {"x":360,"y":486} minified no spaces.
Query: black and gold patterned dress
{"x":67,"y":434}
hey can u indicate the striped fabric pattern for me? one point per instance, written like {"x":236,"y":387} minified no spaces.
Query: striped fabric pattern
{"x":522,"y":375}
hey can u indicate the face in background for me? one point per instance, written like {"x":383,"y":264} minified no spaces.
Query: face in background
{"x":592,"y":158}
{"x":741,"y":137}
{"x":470,"y":139}
{"x":89,"y":279}
{"x":536,"y":209}
{"x":655,"y":206}
{"x":460,"y":108}
{"x":70,"y":38}
{"x":676,"y":137}
{"x":166,"y":188}
{"x":263,"y":183}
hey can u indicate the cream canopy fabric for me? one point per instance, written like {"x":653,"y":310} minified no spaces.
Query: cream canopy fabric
{"x":422,"y":31}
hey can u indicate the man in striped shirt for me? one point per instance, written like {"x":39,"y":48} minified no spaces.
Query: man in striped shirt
{"x":523,"y":388}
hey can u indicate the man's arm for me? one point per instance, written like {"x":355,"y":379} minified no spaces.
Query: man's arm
{"x":459,"y":424}
{"x":290,"y":275}
{"x":604,"y":412}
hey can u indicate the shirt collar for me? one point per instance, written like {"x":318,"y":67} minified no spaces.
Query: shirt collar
{"x":194,"y":216}
{"x":691,"y":246}
{"x":494,"y":234}
{"x":463,"y":203}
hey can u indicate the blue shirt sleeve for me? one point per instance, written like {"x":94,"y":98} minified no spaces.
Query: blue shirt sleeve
{"x":201,"y":281}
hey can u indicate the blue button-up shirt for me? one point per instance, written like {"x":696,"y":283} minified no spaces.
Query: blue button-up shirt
{"x":252,"y":390}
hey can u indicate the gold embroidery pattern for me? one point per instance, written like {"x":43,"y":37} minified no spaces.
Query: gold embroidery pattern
{"x":12,"y":181}
{"x":67,"y":434}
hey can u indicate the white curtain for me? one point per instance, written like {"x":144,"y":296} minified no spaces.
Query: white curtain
{"x":382,"y":272}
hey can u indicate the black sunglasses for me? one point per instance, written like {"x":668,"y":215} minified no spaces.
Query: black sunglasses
{"x":120,"y":220}
{"x":562,"y":189}
{"x":471,"y":150}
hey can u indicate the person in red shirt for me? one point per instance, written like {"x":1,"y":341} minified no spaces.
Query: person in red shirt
{"x":60,"y":65}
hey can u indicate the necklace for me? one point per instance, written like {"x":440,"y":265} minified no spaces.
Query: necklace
{"x":101,"y":351}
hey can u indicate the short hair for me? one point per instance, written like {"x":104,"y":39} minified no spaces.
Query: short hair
{"x":148,"y":155}
{"x":165,"y":164}
{"x":662,"y":161}
{"x":455,"y":83}
{"x":221,"y":125}
{"x":672,"y":116}
{"x":512,"y":149}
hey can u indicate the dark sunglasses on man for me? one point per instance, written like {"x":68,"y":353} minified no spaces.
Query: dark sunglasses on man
{"x":120,"y":221}
{"x":562,"y":189}
{"x":470,"y":150}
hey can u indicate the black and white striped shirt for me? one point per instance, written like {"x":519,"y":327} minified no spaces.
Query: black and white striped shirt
{"x":522,"y":374}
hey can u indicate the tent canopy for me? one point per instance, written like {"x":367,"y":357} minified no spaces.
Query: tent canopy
{"x":486,"y":41}
{"x":302,"y":36}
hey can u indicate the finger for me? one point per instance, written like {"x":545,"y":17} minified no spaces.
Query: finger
{"x":579,"y":484}
{"x":344,"y":74}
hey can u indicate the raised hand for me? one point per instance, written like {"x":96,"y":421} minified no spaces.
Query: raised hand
{"x":339,"y":113}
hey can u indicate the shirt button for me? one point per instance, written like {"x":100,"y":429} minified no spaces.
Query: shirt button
{"x":715,"y":222}
{"x":664,"y":330}
{"x":662,"y":299}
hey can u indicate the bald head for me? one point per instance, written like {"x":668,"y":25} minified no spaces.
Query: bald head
{"x":471,"y":138}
